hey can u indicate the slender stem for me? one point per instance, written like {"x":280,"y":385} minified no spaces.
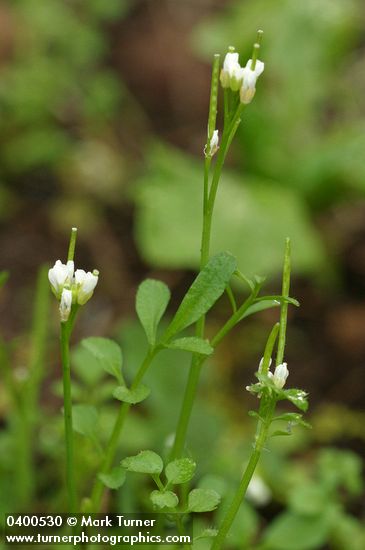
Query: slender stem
{"x":187,"y":406}
{"x":71,"y":247}
{"x":67,"y":399}
{"x":112,"y":446}
{"x":266,"y":412}
{"x":284,"y":303}
{"x":197,"y":361}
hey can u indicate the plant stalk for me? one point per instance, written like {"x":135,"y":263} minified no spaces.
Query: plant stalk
{"x":266,"y":413}
{"x":67,"y":403}
{"x":112,"y":446}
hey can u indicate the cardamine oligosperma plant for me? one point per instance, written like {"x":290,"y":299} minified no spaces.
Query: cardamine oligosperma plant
{"x":174,"y":476}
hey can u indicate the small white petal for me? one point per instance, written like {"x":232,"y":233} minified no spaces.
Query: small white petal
{"x":280,"y":375}
{"x":80,"y":275}
{"x":65,"y":304}
{"x":213,"y":145}
{"x":58,"y":276}
{"x":86,"y":287}
{"x":259,"y":67}
{"x":248,"y":88}
{"x":230,"y":62}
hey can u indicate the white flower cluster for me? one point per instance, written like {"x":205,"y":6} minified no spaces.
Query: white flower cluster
{"x":70,"y":286}
{"x":236,"y":78}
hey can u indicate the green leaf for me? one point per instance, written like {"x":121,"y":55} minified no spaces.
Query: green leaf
{"x":114,"y":479}
{"x":146,"y":462}
{"x":164,"y":499}
{"x":203,"y":500}
{"x":151,"y":303}
{"x":280,"y":299}
{"x":290,"y":531}
{"x":168,"y":218}
{"x":208,"y":286}
{"x":207,"y":534}
{"x":180,"y":471}
{"x":297,"y":397}
{"x":260,"y":306}
{"x":108,"y":353}
{"x":85,"y":420}
{"x":192,"y":344}
{"x":280,"y":432}
{"x":88,"y":368}
{"x":131,"y":396}
{"x":294,"y":418}
{"x":3,"y":277}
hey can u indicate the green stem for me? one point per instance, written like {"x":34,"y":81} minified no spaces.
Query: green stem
{"x":266,"y":412}
{"x":197,"y":361}
{"x":67,"y":399}
{"x":112,"y":446}
{"x":284,"y":304}
{"x":194,"y":375}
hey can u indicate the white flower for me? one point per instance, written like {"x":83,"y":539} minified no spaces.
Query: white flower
{"x":59,"y":275}
{"x":250,"y":76}
{"x":85,"y":283}
{"x":65,"y":304}
{"x":232,"y":72}
{"x":213,"y":145}
{"x":280,"y":375}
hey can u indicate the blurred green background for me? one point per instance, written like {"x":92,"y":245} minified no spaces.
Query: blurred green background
{"x":103,"y":110}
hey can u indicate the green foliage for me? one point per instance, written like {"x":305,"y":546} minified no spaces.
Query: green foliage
{"x":192,"y":344}
{"x":87,"y":365}
{"x":164,"y":499}
{"x":203,"y":500}
{"x":151,"y":303}
{"x":169,"y":212}
{"x":131,"y":396}
{"x":180,"y":471}
{"x":295,"y":531}
{"x":146,"y":462}
{"x":115,"y":479}
{"x":208,"y":286}
{"x":108,"y":353}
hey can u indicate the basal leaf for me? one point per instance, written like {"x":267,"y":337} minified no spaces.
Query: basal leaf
{"x":203,"y":500}
{"x":108,"y":353}
{"x":131,"y":396}
{"x":164,"y":499}
{"x":151,"y":302}
{"x":146,"y":462}
{"x":114,"y":479}
{"x":180,"y":470}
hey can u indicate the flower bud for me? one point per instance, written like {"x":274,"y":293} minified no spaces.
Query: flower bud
{"x":60,"y":275}
{"x":65,"y":304}
{"x":280,"y":375}
{"x":231,"y":74}
{"x":248,"y":88}
{"x":85,"y":283}
{"x":213,"y":145}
